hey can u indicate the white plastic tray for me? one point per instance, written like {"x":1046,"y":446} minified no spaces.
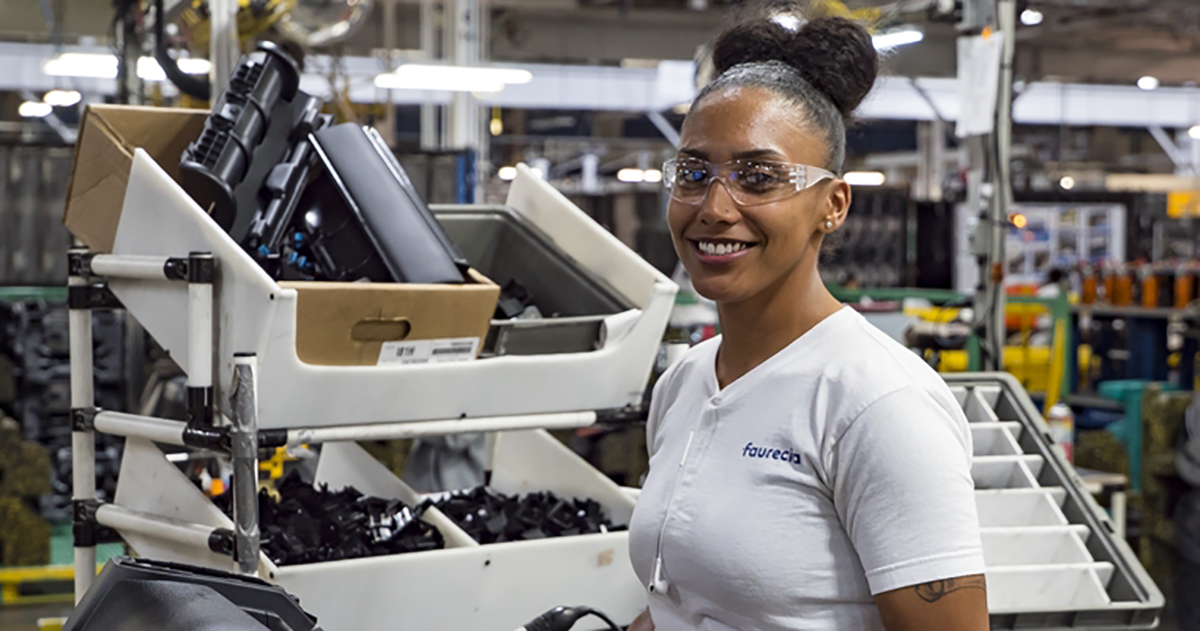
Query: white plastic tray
{"x":464,"y":587}
{"x":1050,"y":556}
{"x":254,"y":314}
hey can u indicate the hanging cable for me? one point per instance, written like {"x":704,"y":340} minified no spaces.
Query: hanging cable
{"x":193,"y":86}
{"x":563,"y":618}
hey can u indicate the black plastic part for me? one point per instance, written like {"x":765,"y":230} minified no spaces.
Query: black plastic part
{"x":250,"y":123}
{"x":145,"y":595}
{"x":271,"y":438}
{"x":91,"y":297}
{"x":222,"y":541}
{"x":201,"y":267}
{"x":363,"y":219}
{"x":83,"y":419}
{"x":79,"y":262}
{"x":176,"y":268}
{"x":214,"y":438}
{"x":199,"y":406}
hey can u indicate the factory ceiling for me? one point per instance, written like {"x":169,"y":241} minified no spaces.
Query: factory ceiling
{"x":1101,"y":41}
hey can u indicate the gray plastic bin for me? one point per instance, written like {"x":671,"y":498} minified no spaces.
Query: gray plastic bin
{"x":500,"y":243}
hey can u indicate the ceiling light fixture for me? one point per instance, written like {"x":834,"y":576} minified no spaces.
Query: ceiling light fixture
{"x":865,"y":178}
{"x":34,"y":109}
{"x":452,"y":78}
{"x":62,"y":98}
{"x":1067,"y":182}
{"x":897,"y":38}
{"x":1148,"y":83}
{"x":1194,"y":132}
{"x":104,"y":66}
{"x":652,"y":175}
{"x":507,"y":174}
{"x":631,"y":175}
{"x":1031,"y":17}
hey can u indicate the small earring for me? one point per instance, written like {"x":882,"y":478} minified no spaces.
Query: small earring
{"x":829,"y":225}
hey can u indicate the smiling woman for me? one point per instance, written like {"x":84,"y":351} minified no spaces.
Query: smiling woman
{"x":873,"y":525}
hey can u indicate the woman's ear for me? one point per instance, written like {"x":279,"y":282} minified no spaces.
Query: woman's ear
{"x":837,"y":204}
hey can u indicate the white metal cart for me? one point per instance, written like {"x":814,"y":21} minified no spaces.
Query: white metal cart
{"x":233,"y":330}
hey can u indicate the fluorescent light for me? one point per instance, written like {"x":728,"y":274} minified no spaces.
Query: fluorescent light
{"x":89,"y":65}
{"x":149,"y":70}
{"x":1067,"y":182}
{"x":865,"y":178}
{"x":507,"y":173}
{"x":631,"y":175}
{"x":34,"y":109}
{"x":62,"y":98}
{"x":1148,"y":83}
{"x":1194,"y":133}
{"x":652,"y":175}
{"x":104,"y":66}
{"x":452,"y":78}
{"x":496,"y":127}
{"x":1031,"y":17}
{"x":538,"y":173}
{"x":894,"y":39}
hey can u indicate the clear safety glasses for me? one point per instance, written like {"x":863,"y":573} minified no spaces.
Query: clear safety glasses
{"x":749,"y":182}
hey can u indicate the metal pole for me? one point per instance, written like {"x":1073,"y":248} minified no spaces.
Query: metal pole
{"x":429,"y":123}
{"x":201,"y":270}
{"x":223,"y":43}
{"x":1002,"y":178}
{"x":83,"y":445}
{"x":244,"y":450}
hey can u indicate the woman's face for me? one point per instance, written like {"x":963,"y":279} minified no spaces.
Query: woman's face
{"x":782,"y":237}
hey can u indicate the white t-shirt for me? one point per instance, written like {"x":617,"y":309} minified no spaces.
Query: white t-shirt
{"x":837,"y":469}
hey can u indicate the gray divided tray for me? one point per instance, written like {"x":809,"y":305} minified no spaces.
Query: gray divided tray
{"x":502,"y":245}
{"x":1052,"y":559}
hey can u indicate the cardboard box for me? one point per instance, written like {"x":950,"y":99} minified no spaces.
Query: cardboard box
{"x":338,"y":324}
{"x":346,"y":324}
{"x":108,"y":134}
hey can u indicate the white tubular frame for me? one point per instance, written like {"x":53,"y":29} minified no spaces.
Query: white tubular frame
{"x":390,"y":431}
{"x":185,"y":533}
{"x":83,"y":443}
{"x":131,"y":266}
{"x":159,"y":430}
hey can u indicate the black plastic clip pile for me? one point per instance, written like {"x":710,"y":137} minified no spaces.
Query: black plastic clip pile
{"x":313,"y":525}
{"x":491,"y":517}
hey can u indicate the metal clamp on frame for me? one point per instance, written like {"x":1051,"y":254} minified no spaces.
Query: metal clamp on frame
{"x":85,"y":530}
{"x":86,"y":297}
{"x":84,"y":419}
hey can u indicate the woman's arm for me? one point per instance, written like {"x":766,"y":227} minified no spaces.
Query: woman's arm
{"x":953,"y":604}
{"x":642,"y":622}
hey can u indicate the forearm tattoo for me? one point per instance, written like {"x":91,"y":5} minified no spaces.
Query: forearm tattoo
{"x":936,"y":590}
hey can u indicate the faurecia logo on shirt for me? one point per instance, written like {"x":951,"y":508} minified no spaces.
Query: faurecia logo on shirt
{"x":785,"y":455}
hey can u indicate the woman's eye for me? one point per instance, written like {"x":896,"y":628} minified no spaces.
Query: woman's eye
{"x":759,"y":177}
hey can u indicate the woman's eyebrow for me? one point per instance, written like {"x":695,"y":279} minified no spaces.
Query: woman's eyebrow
{"x":695,"y":153}
{"x":757,"y":153}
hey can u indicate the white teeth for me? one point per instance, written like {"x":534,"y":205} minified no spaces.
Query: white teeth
{"x":721,"y":249}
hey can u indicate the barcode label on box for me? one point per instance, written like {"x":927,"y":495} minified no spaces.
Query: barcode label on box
{"x":458,"y":349}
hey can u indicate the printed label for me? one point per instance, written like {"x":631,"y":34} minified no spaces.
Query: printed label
{"x":458,"y":349}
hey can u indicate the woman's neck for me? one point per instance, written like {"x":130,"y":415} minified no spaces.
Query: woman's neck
{"x":755,"y":329}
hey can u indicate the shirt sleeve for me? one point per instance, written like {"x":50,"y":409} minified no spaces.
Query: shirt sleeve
{"x":903,"y":490}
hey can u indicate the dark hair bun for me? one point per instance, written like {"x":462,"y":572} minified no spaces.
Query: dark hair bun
{"x":835,"y":55}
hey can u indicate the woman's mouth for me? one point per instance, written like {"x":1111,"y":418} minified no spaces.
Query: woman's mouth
{"x":717,"y":251}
